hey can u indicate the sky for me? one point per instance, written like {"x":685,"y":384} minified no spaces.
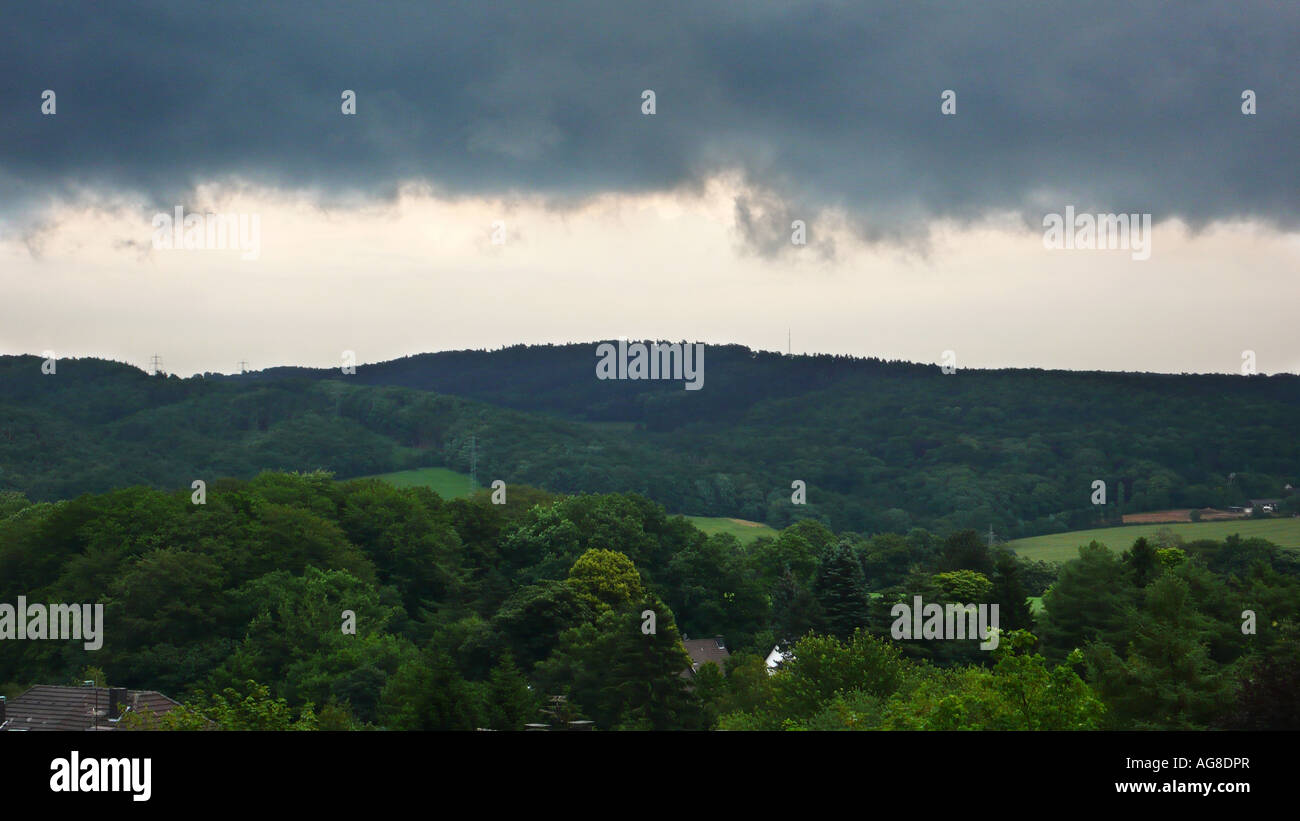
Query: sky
{"x":502,"y":180}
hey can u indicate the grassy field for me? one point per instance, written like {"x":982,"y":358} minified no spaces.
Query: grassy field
{"x":452,"y":485}
{"x":445,"y":482}
{"x":741,"y":529}
{"x":1060,"y":547}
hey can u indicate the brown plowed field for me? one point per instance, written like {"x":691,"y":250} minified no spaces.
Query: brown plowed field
{"x":1208,"y":514}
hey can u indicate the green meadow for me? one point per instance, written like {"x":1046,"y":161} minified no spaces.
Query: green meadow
{"x":445,"y":482}
{"x":744,"y":531}
{"x":1060,"y":547}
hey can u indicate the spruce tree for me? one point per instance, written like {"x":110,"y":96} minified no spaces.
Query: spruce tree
{"x":1142,"y":562}
{"x":841,"y":591}
{"x":510,"y":703}
{"x":1010,"y":594}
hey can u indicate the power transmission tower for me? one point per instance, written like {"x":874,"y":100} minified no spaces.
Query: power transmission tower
{"x":157,"y":364}
{"x":243,"y":366}
{"x":990,"y":537}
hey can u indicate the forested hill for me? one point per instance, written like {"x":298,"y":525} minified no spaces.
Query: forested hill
{"x":561,"y":378}
{"x":881,"y":445}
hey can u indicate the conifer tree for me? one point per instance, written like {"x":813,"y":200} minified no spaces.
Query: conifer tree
{"x":1142,"y":561}
{"x":841,"y":591}
{"x":1009,"y":593}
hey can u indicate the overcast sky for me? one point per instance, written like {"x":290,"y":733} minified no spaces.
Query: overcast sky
{"x":924,"y":230}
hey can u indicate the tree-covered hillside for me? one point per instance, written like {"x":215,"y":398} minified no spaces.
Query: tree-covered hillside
{"x":880,"y":445}
{"x":295,"y":600}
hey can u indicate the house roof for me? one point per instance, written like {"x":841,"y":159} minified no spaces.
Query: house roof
{"x":703,"y":651}
{"x":54,"y":707}
{"x":776,"y":658}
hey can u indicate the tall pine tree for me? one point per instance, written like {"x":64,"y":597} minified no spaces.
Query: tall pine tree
{"x":1142,"y":562}
{"x":841,"y":591}
{"x":1009,"y":593}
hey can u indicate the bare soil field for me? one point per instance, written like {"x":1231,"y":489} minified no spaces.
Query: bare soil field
{"x":1208,"y":514}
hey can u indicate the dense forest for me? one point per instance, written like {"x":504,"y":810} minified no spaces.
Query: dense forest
{"x":469,"y":614}
{"x":881,"y":446}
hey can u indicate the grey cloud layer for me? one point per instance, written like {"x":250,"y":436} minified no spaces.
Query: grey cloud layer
{"x":1108,"y":106}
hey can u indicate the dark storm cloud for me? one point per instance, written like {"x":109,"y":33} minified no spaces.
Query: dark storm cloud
{"x":1107,"y":106}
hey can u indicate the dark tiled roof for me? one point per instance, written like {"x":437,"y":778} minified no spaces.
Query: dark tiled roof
{"x":703,"y":651}
{"x":51,"y":707}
